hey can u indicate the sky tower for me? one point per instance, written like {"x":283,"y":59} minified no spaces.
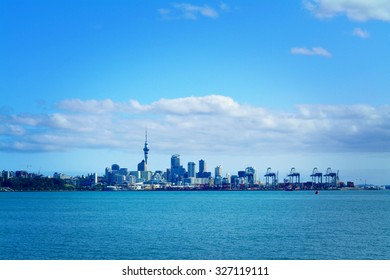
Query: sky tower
{"x":146,"y":149}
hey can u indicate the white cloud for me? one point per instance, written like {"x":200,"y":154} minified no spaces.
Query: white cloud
{"x":196,"y":105}
{"x":208,"y":124}
{"x":90,"y":106}
{"x":358,"y":32}
{"x":211,"y":104}
{"x":359,"y":10}
{"x":313,"y":51}
{"x":189,"y":11}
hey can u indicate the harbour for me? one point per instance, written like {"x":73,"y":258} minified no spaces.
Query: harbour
{"x":195,"y":225}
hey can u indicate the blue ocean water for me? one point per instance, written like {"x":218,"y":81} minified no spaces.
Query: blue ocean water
{"x":195,"y":225}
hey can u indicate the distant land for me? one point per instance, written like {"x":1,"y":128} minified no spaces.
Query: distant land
{"x":22,"y":181}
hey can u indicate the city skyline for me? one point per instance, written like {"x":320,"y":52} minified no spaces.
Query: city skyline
{"x":299,"y":84}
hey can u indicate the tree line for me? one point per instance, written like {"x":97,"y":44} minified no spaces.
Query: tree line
{"x":36,"y":184}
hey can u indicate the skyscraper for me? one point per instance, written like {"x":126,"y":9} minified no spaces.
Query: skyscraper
{"x":218,"y":171}
{"x":175,"y":161}
{"x":142,"y":166}
{"x":115,"y":167}
{"x":218,"y":180}
{"x":202,"y":170}
{"x":177,"y":171}
{"x":191,"y":169}
{"x":250,"y":175}
{"x":202,"y":166}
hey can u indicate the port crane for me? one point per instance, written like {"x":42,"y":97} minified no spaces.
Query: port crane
{"x":294,"y":175}
{"x":316,"y":177}
{"x":331,"y":178}
{"x":270,"y":175}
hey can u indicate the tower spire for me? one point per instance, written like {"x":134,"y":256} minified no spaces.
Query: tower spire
{"x":146,"y":149}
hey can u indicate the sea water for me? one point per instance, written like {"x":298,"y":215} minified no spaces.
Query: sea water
{"x":195,"y":225}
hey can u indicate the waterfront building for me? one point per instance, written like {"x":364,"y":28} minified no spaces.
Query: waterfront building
{"x":218,"y":181}
{"x":189,"y":181}
{"x":140,"y":180}
{"x":61,"y":176}
{"x":175,"y":161}
{"x":202,"y":170}
{"x":123,"y":171}
{"x":218,"y":171}
{"x":202,"y":166}
{"x":202,"y":181}
{"x":177,"y":171}
{"x":234,"y":181}
{"x":136,"y":174}
{"x":6,"y":174}
{"x":119,"y":179}
{"x":21,"y":174}
{"x":191,"y":169}
{"x":115,"y":167}
{"x":250,"y":175}
{"x":168,"y":175}
{"x":111,"y":172}
{"x":95,"y":178}
{"x":142,"y":166}
{"x":146,"y":175}
{"x":228,"y":176}
{"x":218,"y":176}
{"x":107,"y":174}
{"x":131,"y":179}
{"x":160,"y":174}
{"x":157,"y":177}
{"x":225,"y":181}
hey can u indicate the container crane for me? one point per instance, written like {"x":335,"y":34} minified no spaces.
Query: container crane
{"x":316,"y":177}
{"x":294,"y":175}
{"x":270,"y":175}
{"x":331,"y":178}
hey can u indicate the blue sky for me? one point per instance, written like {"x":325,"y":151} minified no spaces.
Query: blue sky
{"x":276,"y":84}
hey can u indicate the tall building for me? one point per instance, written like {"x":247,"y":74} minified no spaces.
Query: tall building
{"x":218,"y":180}
{"x":95,"y":178}
{"x":250,"y":175}
{"x":168,"y":175}
{"x":146,"y":149}
{"x":202,"y":166}
{"x":177,"y":171}
{"x":218,"y":171}
{"x":202,"y":170}
{"x":175,"y":161}
{"x":123,"y":171}
{"x":191,"y":169}
{"x":142,"y":166}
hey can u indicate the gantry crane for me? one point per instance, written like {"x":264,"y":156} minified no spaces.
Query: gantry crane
{"x":270,"y":175}
{"x":316,"y":177}
{"x":293,"y":174}
{"x":331,"y":178}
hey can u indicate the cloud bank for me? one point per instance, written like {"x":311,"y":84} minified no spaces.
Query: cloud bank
{"x":209,"y":124}
{"x":358,"y":10}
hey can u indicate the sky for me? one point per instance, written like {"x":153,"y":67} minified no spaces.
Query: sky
{"x":277,"y":84}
